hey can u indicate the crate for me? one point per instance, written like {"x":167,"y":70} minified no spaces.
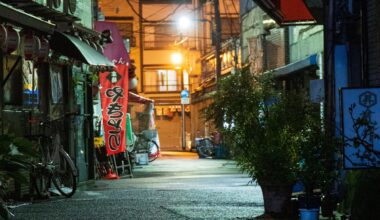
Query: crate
{"x":142,"y":159}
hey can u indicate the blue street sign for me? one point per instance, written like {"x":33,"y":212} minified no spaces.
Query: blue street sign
{"x":185,"y":93}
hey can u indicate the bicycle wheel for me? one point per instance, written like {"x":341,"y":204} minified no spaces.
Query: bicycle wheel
{"x":65,"y":174}
{"x":40,"y":181}
{"x":39,"y":175}
{"x":154,"y":150}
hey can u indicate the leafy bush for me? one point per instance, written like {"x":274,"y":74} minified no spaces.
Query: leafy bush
{"x":261,"y":124}
{"x":276,"y":135}
{"x":15,"y":155}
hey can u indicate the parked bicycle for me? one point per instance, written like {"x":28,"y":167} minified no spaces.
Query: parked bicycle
{"x":205,"y":147}
{"x":144,"y":143}
{"x":55,"y":165}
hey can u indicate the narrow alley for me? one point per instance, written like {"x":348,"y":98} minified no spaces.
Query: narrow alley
{"x":178,"y":185}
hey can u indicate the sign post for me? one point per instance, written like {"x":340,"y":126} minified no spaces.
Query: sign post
{"x":184,"y":101}
{"x":360,"y":120}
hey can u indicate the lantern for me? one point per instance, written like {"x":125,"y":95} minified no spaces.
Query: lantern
{"x":31,"y":45}
{"x":9,"y":39}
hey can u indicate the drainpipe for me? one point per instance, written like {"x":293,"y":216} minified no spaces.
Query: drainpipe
{"x":1,"y":91}
{"x":141,"y":47}
{"x":329,"y":32}
{"x":218,"y":33}
{"x":364,"y":44}
{"x":90,"y":125}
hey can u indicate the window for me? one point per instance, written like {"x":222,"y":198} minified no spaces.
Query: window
{"x":30,"y":84}
{"x":159,"y":36}
{"x":21,"y":87}
{"x":56,"y":84}
{"x":161,"y":81}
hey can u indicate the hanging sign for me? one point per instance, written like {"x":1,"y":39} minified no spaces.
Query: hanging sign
{"x":114,"y":101}
{"x":114,"y":91}
{"x":360,"y":125}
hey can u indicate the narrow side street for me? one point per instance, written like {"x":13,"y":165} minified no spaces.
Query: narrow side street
{"x":178,"y":185}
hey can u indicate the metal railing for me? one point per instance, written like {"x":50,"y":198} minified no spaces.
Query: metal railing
{"x":165,"y":88}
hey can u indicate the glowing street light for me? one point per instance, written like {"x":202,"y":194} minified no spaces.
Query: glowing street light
{"x":184,"y":23}
{"x":177,"y":58}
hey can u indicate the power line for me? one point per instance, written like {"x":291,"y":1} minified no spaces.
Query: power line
{"x":169,"y":35}
{"x":160,"y":20}
{"x":158,"y":11}
{"x":134,"y":11}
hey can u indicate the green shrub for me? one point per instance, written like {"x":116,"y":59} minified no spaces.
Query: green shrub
{"x":15,"y":156}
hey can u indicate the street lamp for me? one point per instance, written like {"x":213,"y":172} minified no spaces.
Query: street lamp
{"x":184,"y":24}
{"x":177,"y":59}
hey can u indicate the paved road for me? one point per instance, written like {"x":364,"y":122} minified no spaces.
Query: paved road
{"x":176,"y":186}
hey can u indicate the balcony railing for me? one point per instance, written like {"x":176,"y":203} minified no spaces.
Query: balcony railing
{"x":158,"y":45}
{"x":165,"y":88}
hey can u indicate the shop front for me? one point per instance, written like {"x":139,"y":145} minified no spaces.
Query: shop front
{"x":46,"y":73}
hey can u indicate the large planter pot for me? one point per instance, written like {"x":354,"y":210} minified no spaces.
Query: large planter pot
{"x":276,"y":199}
{"x":309,"y":207}
{"x":309,"y":214}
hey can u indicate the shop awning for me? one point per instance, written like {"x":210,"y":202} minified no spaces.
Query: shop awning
{"x":309,"y":62}
{"x":73,"y":47}
{"x":23,"y":19}
{"x":133,"y":97}
{"x":287,"y":11}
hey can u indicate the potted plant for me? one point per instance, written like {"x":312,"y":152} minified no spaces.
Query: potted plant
{"x":316,"y":170}
{"x":15,"y":152}
{"x":262,"y":125}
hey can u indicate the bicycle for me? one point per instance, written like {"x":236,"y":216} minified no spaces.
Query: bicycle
{"x":144,"y":144}
{"x":205,"y":147}
{"x":55,"y":165}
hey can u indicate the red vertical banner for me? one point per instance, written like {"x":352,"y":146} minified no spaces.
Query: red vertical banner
{"x":114,"y":89}
{"x":114,"y":100}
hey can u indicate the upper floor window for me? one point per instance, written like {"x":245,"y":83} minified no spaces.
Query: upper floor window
{"x":162,"y":81}
{"x":161,"y":36}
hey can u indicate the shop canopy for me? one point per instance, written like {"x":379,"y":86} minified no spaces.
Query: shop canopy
{"x":310,"y":62}
{"x":133,"y":97}
{"x":287,"y":11}
{"x":73,"y":47}
{"x":21,"y":18}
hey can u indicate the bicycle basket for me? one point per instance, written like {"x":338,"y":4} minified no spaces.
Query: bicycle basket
{"x":150,"y":134}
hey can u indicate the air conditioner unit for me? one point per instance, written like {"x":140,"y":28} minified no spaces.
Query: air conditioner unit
{"x":57,"y":5}
{"x":70,"y":6}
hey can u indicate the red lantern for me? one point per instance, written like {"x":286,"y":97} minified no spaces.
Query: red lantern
{"x":9,"y":39}
{"x":31,"y":46}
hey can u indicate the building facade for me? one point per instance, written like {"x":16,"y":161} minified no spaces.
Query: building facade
{"x":47,"y":62}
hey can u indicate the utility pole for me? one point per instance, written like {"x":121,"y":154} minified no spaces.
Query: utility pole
{"x":217,"y":37}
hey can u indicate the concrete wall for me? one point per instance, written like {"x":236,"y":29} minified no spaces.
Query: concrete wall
{"x":84,"y":12}
{"x":271,"y":43}
{"x":304,"y":41}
